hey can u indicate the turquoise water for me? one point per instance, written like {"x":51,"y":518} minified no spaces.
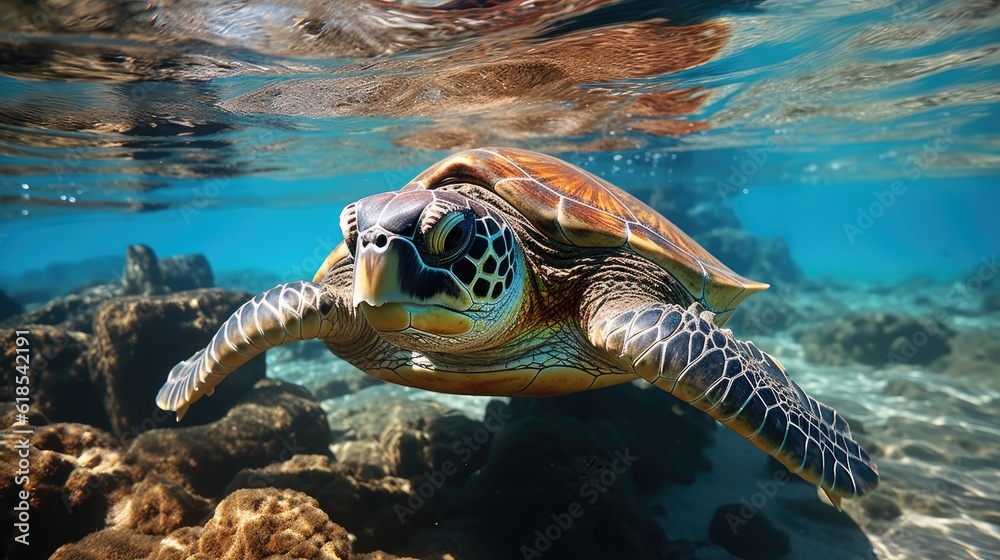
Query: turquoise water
{"x":866,"y":134}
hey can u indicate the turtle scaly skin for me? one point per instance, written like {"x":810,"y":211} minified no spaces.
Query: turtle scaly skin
{"x":504,"y":272}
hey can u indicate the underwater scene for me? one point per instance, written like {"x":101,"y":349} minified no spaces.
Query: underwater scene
{"x":500,"y":279}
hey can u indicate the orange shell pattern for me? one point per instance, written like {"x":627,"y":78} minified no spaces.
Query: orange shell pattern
{"x":576,"y":208}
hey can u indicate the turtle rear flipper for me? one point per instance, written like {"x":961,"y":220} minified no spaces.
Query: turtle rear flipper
{"x":283,"y":314}
{"x":684,"y":353}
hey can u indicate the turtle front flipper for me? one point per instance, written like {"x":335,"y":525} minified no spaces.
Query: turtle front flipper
{"x":283,"y":314}
{"x":684,"y":353}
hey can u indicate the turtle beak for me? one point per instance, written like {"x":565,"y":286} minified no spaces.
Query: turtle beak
{"x":396,"y":290}
{"x":376,"y":270}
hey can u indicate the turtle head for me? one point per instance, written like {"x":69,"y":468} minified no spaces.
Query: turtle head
{"x":433,"y":262}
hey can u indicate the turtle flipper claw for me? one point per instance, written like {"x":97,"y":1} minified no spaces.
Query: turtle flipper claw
{"x":182,"y":382}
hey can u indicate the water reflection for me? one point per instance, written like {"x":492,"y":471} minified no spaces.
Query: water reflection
{"x":164,"y":88}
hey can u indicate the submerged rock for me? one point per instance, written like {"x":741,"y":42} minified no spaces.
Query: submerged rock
{"x":766,"y":313}
{"x":877,"y":339}
{"x":58,"y":374}
{"x":974,"y":356}
{"x":750,"y":537}
{"x":113,"y":544}
{"x":9,"y":306}
{"x":297,"y":527}
{"x":270,"y":522}
{"x":74,"y":312}
{"x":83,"y":479}
{"x":583,"y":495}
{"x":399,"y":436}
{"x":141,"y":275}
{"x":583,"y":461}
{"x":58,"y":279}
{"x":671,"y":453}
{"x":991,"y":302}
{"x":467,"y":482}
{"x":137,"y":340}
{"x":186,"y":272}
{"x":274,"y":422}
{"x":110,"y":378}
{"x":145,"y":274}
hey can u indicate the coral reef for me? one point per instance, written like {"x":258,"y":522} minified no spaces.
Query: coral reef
{"x":361,"y":500}
{"x":249,"y":523}
{"x":86,"y":479}
{"x":77,"y":474}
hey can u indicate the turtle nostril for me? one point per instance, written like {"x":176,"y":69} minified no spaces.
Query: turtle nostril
{"x":381,"y":241}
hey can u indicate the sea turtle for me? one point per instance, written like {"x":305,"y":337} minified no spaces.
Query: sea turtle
{"x":507,"y":272}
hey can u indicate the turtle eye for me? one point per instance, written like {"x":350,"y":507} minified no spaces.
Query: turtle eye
{"x":449,"y":237}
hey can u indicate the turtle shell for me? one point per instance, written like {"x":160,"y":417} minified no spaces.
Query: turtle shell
{"x":576,"y":208}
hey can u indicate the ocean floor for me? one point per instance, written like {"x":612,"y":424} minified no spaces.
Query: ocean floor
{"x":364,"y":469}
{"x":933,"y":428}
